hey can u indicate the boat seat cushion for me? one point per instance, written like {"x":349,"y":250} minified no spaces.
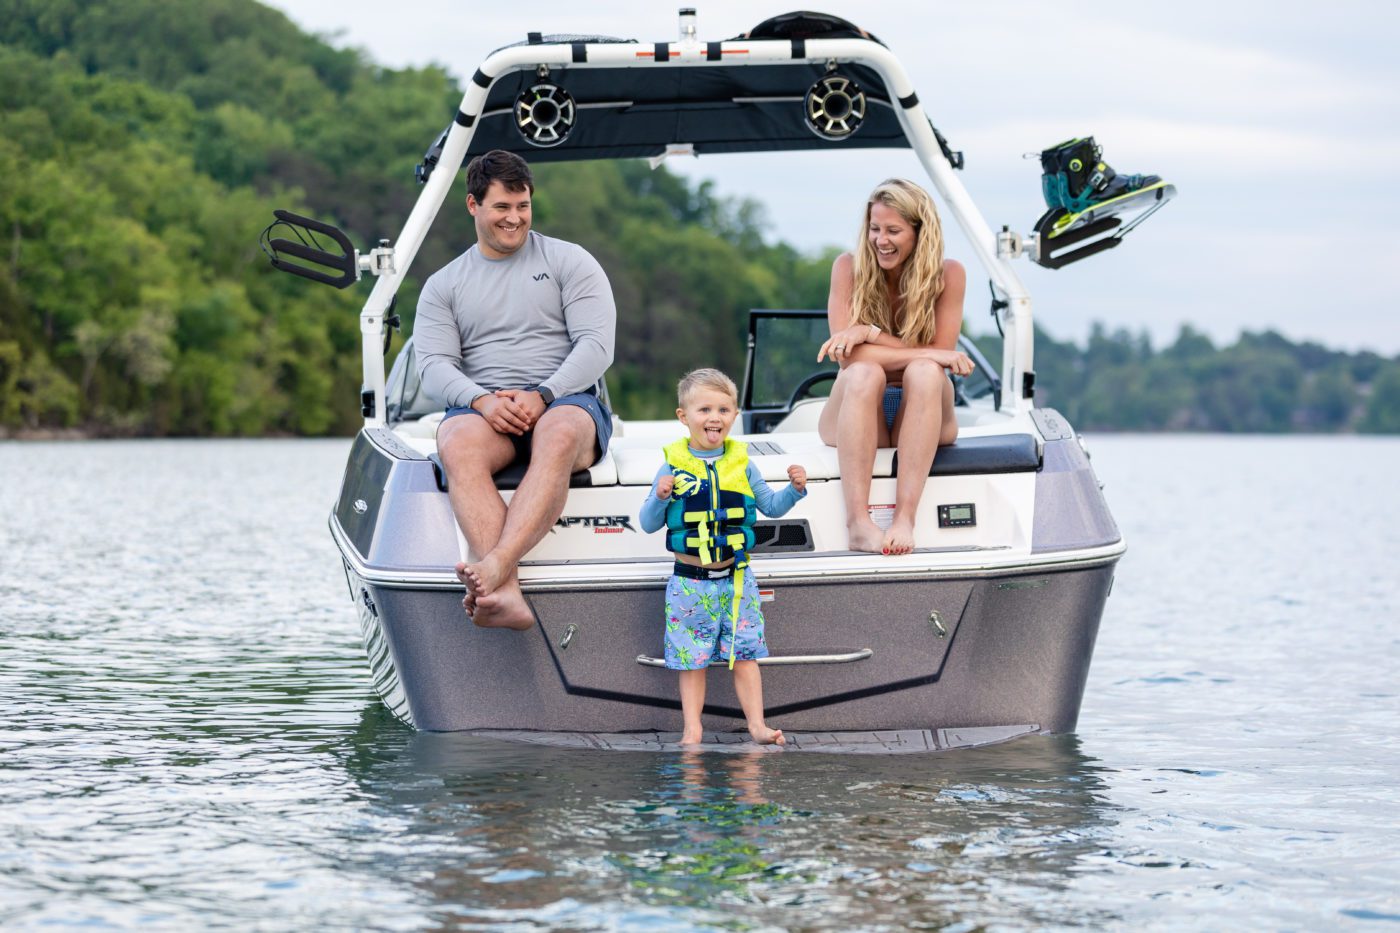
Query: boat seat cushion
{"x":633,"y":461}
{"x":638,"y":459}
{"x":602,"y":473}
{"x":420,"y":428}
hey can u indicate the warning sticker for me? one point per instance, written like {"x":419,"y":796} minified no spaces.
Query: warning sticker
{"x":881,"y":515}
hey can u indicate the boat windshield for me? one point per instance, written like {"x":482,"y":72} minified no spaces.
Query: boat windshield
{"x":783,"y":369}
{"x":785,"y":345}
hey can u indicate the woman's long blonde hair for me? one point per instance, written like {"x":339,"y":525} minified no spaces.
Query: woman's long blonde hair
{"x":920,"y":282}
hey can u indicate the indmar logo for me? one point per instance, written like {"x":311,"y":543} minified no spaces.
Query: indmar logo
{"x":542,"y":276}
{"x":601,"y":524}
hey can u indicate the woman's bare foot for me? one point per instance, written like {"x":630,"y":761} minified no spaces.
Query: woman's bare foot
{"x":864,"y":535}
{"x":692,"y":736}
{"x":763,"y":735}
{"x":900,"y":537}
{"x":504,"y":608}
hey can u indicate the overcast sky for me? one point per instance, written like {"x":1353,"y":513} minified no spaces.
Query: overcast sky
{"x":1278,"y":122}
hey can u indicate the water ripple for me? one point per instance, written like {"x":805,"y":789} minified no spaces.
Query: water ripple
{"x":192,"y":740}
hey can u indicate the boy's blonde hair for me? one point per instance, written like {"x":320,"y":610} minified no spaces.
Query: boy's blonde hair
{"x":705,"y":379}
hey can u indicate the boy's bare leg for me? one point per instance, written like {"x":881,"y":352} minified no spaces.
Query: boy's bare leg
{"x":692,"y":702}
{"x":748,"y":684}
{"x":693,"y":774}
{"x":565,"y":440}
{"x":471,"y":453}
{"x":852,"y":421}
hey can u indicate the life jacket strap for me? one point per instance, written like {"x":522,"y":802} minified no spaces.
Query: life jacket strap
{"x":737,"y":511}
{"x":735,"y":541}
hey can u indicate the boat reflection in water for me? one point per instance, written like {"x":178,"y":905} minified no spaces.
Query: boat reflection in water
{"x":498,"y":831}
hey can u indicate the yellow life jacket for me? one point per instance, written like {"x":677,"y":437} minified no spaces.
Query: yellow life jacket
{"x":711,"y":513}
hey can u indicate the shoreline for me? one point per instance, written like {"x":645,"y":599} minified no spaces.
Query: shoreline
{"x":39,"y":435}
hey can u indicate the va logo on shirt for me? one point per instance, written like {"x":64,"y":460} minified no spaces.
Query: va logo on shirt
{"x":542,"y":275}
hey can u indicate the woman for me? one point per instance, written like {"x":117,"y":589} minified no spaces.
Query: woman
{"x":895,"y":311}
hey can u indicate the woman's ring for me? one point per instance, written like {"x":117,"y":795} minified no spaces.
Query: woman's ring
{"x":840,"y":346}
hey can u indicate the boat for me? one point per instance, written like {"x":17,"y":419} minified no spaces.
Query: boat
{"x":983,"y":633}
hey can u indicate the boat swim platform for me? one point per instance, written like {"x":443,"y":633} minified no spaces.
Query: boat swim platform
{"x":880,"y":742}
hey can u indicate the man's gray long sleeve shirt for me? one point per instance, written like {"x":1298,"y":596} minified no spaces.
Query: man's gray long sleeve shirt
{"x":542,"y":316}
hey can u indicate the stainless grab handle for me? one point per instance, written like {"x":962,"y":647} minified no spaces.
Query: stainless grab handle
{"x":861,"y":655}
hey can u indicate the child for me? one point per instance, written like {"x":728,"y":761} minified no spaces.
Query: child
{"x":705,"y":495}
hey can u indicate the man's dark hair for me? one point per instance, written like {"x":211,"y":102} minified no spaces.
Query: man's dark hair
{"x":498,"y":165}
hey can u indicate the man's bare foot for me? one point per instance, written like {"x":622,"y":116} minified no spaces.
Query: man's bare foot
{"x":488,"y":574}
{"x":765,"y":736}
{"x":469,"y":600}
{"x":864,"y":535}
{"x":900,"y":537}
{"x":692,"y":736}
{"x":504,"y":608}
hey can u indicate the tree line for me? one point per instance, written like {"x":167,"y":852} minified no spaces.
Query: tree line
{"x":1261,"y":383}
{"x":145,"y":143}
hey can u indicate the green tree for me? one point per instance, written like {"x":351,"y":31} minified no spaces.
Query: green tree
{"x":1383,"y":406}
{"x":1329,"y":399}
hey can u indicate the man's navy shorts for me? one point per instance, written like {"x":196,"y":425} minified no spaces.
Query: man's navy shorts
{"x":588,"y":401}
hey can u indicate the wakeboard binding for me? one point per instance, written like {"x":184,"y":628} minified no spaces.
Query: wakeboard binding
{"x":1086,"y":199}
{"x":1080,"y":187}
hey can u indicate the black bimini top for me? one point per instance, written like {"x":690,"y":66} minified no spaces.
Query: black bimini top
{"x":640,"y":111}
{"x":637,"y":112}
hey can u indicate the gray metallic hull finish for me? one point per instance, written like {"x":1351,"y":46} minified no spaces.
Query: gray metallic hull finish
{"x":1016,"y":651}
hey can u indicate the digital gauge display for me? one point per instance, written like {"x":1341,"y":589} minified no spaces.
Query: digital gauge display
{"x":958,"y":515}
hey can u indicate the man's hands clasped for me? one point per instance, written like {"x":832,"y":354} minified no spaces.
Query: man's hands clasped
{"x":511,"y":411}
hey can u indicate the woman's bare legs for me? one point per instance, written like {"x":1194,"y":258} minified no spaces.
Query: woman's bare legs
{"x":926,"y":420}
{"x":748,"y":686}
{"x":692,"y":702}
{"x":853,"y":421}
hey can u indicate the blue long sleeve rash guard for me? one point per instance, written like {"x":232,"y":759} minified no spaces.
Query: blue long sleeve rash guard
{"x":770,"y":503}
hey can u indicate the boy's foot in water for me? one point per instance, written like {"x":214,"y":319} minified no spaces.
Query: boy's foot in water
{"x":763,"y":735}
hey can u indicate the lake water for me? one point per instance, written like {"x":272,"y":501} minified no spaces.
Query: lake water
{"x":190,"y":739}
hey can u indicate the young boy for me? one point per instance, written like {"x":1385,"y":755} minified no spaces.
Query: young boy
{"x":705,"y":494}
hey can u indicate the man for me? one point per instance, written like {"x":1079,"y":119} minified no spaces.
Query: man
{"x":512,"y":336}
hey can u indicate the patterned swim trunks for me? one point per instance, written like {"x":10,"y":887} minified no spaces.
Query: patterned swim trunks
{"x":698,"y":621}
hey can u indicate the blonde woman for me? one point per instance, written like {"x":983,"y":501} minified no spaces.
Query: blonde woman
{"x":895,"y":312}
